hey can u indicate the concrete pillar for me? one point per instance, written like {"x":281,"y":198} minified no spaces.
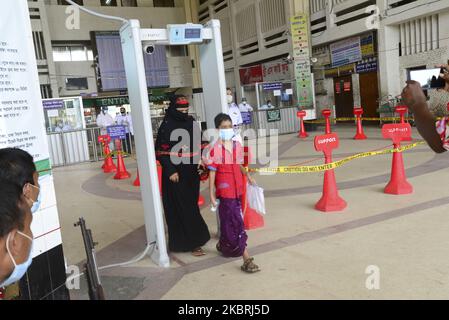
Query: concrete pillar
{"x":388,"y":41}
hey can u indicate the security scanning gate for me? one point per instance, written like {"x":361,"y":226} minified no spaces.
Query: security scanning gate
{"x":134,"y":40}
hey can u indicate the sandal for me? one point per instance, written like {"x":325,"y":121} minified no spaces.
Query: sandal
{"x":218,"y":247}
{"x":199,"y":252}
{"x":249,"y":266}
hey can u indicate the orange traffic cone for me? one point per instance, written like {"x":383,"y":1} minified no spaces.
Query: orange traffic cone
{"x":137,"y":181}
{"x":121,"y":169}
{"x":159,"y":175}
{"x":108,"y":166}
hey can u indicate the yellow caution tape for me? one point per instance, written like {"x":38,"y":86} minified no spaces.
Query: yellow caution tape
{"x":333,"y":165}
{"x":113,"y":153}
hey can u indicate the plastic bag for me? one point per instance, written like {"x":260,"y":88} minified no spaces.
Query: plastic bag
{"x":255,"y":198}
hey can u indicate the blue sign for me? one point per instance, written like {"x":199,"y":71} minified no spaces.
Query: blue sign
{"x":366,"y":66}
{"x":117,"y":132}
{"x":247,"y":117}
{"x":272,"y":86}
{"x":53,"y":104}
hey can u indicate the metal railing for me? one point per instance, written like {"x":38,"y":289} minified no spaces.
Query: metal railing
{"x":288,"y":123}
{"x":81,"y":146}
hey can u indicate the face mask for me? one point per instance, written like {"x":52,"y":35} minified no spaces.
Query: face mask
{"x":36,"y":204}
{"x":244,"y":103}
{"x":226,"y":134}
{"x":229,"y":98}
{"x":19,"y":270}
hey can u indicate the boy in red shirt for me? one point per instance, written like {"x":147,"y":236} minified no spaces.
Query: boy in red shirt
{"x":226,"y":177}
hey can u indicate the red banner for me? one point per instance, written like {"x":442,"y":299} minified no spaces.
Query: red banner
{"x":251,"y":75}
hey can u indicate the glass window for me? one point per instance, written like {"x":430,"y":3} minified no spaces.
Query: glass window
{"x":65,"y":3}
{"x":112,"y":3}
{"x":61,"y":54}
{"x":76,"y":84}
{"x":90,"y":55}
{"x":129,"y":3}
{"x":78,"y":53}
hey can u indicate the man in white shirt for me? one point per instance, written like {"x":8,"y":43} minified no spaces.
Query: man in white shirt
{"x":234,"y":113}
{"x":104,"y":120}
{"x":124,"y":119}
{"x":245,"y":106}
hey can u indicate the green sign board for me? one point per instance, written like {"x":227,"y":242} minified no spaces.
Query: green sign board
{"x":274,"y":115}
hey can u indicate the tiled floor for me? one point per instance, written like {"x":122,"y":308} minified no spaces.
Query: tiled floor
{"x":303,"y":253}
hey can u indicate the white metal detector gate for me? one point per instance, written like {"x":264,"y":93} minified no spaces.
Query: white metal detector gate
{"x":134,"y":40}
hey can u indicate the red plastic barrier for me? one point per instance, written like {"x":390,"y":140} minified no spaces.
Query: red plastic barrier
{"x":398,"y":184}
{"x":326,"y":114}
{"x":402,"y":111}
{"x":360,"y":135}
{"x":302,"y":130}
{"x":330,"y":200}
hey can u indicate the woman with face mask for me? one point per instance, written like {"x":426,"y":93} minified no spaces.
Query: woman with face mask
{"x":178,"y":148}
{"x":16,"y":238}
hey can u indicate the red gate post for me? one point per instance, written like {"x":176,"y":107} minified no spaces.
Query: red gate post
{"x":326,"y":114}
{"x":302,"y":130}
{"x":360,"y":135}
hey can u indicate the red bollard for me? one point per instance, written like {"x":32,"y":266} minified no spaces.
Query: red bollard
{"x":159,"y":175}
{"x":201,"y":201}
{"x":326,"y":114}
{"x":137,"y":181}
{"x":360,"y":135}
{"x":108,"y":165}
{"x":402,"y":110}
{"x":398,"y":182}
{"x":251,"y":219}
{"x":121,"y":169}
{"x":302,"y":130}
{"x":330,"y":200}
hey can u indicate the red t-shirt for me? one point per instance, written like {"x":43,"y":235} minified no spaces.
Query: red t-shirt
{"x":229,"y":177}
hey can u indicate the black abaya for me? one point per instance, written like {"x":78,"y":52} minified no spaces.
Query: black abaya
{"x":186,"y":227}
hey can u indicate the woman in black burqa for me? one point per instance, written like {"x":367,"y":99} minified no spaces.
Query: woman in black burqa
{"x":187,"y":230}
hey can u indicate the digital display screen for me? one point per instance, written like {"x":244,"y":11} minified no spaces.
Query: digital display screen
{"x":193,"y":33}
{"x":428,"y":78}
